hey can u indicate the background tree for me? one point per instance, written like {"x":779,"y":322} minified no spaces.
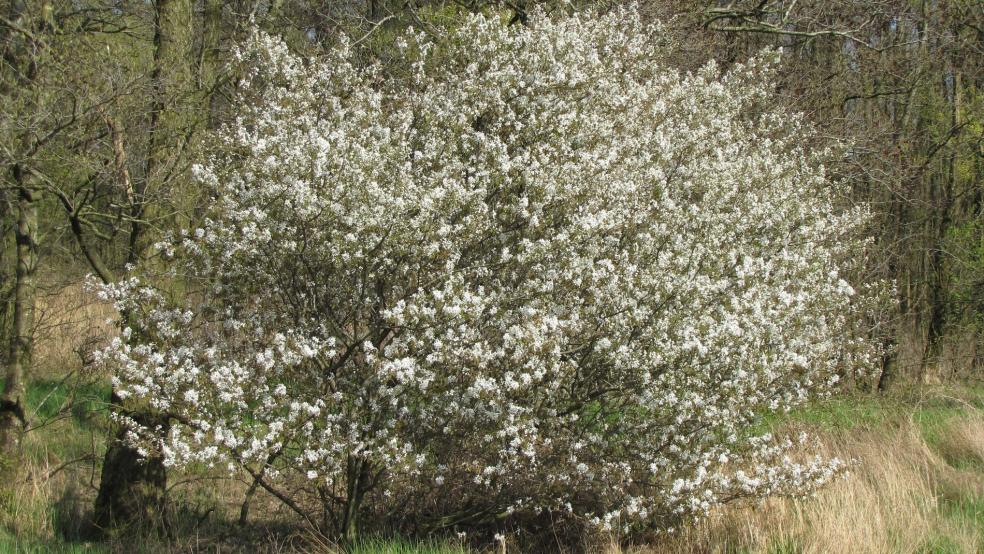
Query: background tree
{"x":103,"y":103}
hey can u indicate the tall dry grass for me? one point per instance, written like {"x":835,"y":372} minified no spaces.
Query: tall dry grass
{"x":903,"y":496}
{"x":70,"y":322}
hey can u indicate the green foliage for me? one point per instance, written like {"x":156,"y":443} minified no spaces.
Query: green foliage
{"x":965,"y":244}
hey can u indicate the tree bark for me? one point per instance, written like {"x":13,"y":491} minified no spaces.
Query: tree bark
{"x":133,"y":487}
{"x":12,"y":402}
{"x":359,"y":480}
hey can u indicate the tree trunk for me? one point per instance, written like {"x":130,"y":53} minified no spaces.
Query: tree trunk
{"x":12,"y":402}
{"x":132,"y":488}
{"x":359,"y":477}
{"x":7,"y":277}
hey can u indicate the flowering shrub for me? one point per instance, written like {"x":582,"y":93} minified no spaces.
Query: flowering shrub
{"x":538,"y":270}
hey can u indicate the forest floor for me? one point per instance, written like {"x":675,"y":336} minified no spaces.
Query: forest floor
{"x":916,"y":485}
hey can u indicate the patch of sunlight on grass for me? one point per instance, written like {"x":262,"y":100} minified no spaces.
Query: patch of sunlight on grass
{"x":834,"y":414}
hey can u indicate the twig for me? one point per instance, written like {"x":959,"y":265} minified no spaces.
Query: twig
{"x":60,"y":467}
{"x":377,"y":25}
{"x":416,"y":19}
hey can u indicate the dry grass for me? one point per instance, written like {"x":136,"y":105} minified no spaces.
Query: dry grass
{"x":963,"y":441}
{"x":70,"y":322}
{"x":904,"y":495}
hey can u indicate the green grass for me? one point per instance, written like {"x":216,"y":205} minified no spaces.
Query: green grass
{"x":843,"y":413}
{"x":60,"y":457}
{"x":785,"y":546}
{"x":968,"y":510}
{"x":934,"y":419}
{"x":47,"y":399}
{"x":69,"y":420}
{"x":941,"y":545}
{"x":15,"y":545}
{"x":932,"y":410}
{"x":403,"y":546}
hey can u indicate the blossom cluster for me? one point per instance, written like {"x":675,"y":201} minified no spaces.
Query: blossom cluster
{"x":536,"y":263}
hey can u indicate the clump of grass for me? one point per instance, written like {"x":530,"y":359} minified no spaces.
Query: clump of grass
{"x":959,"y":440}
{"x":940,"y":545}
{"x":403,"y":546}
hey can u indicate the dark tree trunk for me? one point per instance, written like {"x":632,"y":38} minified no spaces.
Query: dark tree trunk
{"x":20,"y":337}
{"x":888,"y":365}
{"x":359,"y":482}
{"x":12,"y":401}
{"x":133,"y":488}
